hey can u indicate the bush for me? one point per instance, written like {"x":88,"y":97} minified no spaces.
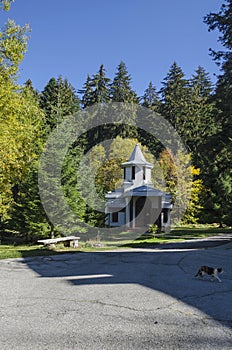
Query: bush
{"x":153,"y":229}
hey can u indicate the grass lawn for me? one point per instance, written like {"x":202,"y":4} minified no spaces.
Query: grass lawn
{"x":176,"y":235}
{"x":23,"y":251}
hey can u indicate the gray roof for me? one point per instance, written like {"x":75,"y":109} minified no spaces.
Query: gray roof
{"x":137,"y":158}
{"x":144,"y":191}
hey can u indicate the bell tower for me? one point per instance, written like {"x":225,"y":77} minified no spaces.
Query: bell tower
{"x":136,"y":171}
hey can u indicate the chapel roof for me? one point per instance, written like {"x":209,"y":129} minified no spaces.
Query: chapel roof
{"x":137,"y":158}
{"x":145,"y":191}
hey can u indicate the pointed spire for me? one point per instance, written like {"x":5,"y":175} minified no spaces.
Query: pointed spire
{"x":137,"y":158}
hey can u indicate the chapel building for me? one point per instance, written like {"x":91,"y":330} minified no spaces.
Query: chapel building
{"x":137,"y":204}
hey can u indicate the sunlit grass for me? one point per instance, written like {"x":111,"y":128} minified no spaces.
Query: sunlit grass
{"x":22,"y":251}
{"x":177,"y":235}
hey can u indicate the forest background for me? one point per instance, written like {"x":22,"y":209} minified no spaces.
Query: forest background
{"x":199,"y":111}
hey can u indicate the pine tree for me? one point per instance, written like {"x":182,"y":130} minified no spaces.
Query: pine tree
{"x":201,"y":119}
{"x":87,"y":93}
{"x":100,"y":84}
{"x":60,"y":103}
{"x":150,"y":98}
{"x":71,"y":187}
{"x":219,"y":155}
{"x":28,"y":86}
{"x":95,"y":89}
{"x":121,"y":90}
{"x":28,"y":217}
{"x":88,"y":186}
{"x":174,"y":96}
{"x":58,"y":99}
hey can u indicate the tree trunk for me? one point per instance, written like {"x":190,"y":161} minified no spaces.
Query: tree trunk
{"x":52,"y":231}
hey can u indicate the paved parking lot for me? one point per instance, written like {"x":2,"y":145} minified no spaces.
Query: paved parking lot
{"x":116,"y":300}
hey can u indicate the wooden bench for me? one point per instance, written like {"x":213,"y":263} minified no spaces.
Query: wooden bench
{"x":69,"y":241}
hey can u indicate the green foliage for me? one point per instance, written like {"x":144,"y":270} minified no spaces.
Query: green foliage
{"x":217,"y":199}
{"x":188,"y":105}
{"x":150,"y":98}
{"x":90,"y":188}
{"x":27,"y":214}
{"x":20,"y":128}
{"x":13,"y":46}
{"x":181,"y":179}
{"x":5,"y":4}
{"x":58,"y":100}
{"x":200,"y":123}
{"x":121,"y":90}
{"x":109,"y":175}
{"x":71,"y":186}
{"x":218,"y":148}
{"x":21,"y":125}
{"x":174,"y":96}
{"x":87,"y":93}
{"x":153,"y":229}
{"x":96,"y":89}
{"x":222,"y":21}
{"x":200,"y":114}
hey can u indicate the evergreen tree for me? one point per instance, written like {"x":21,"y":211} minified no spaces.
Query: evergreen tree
{"x":188,"y":105}
{"x":200,"y":123}
{"x":174,"y":97}
{"x":219,"y":155}
{"x":87,"y":93}
{"x":28,"y":217}
{"x":90,"y":188}
{"x":58,"y":180}
{"x":28,"y":86}
{"x":202,"y":82}
{"x":71,"y":186}
{"x":100,"y":84}
{"x":121,"y":90}
{"x":150,"y":98}
{"x":58,"y":99}
{"x":222,"y":21}
{"x":95,"y":89}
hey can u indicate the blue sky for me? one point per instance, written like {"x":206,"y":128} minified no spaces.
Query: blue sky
{"x":73,"y":38}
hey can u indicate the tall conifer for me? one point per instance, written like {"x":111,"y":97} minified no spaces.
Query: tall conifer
{"x":121,"y":90}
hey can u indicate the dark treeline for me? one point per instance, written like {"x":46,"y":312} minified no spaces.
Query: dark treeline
{"x":199,"y":111}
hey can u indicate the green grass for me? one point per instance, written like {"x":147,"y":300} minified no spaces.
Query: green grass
{"x":23,"y":251}
{"x":176,"y":235}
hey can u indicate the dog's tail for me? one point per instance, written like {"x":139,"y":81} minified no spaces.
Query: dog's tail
{"x":198,"y":273}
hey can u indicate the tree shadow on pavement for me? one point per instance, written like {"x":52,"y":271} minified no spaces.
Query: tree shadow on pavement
{"x":170,"y":272}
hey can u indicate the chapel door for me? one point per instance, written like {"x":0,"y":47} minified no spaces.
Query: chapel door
{"x":143,"y":209}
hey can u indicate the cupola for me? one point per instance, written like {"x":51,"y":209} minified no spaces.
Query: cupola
{"x":137,"y":171}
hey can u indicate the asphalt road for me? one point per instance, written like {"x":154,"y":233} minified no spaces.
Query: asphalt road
{"x":116,"y":300}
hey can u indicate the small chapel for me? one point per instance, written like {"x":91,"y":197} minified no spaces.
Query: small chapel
{"x":137,"y":204}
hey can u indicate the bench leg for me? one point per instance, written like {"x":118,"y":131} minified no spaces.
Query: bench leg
{"x":74,"y":244}
{"x":50,"y":245}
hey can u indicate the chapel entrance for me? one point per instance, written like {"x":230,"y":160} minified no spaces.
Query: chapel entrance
{"x":143,"y":212}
